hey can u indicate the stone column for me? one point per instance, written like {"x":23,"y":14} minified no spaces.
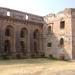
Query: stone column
{"x":28,"y":45}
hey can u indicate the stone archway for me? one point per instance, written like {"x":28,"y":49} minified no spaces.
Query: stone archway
{"x":24,"y":41}
{"x":9,"y":31}
{"x":9,"y":45}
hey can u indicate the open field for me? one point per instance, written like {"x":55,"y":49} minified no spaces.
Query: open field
{"x":39,"y":66}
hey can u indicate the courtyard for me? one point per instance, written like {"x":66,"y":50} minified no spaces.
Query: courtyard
{"x":38,"y":66}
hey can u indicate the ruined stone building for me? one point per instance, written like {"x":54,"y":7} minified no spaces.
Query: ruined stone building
{"x":29,"y":35}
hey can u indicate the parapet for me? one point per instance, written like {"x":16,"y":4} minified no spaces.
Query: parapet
{"x":20,"y":15}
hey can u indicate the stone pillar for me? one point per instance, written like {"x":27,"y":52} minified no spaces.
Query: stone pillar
{"x":28,"y":45}
{"x":2,"y":41}
{"x":31,"y":43}
{"x":17,"y":42}
{"x":41,"y":44}
{"x":13,"y":44}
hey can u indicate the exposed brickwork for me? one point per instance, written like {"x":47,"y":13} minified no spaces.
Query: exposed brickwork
{"x":57,"y":33}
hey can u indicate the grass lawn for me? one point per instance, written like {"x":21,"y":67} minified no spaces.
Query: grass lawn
{"x":38,"y":66}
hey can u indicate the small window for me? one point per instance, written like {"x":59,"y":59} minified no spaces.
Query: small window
{"x":8,"y":13}
{"x":35,"y":35}
{"x":49,"y":44}
{"x":22,"y":34}
{"x":7,"y":32}
{"x":62,"y":24}
{"x":49,"y":29}
{"x":61,"y":41}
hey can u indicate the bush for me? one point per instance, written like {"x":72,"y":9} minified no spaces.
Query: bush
{"x":18,"y":56}
{"x":62,"y":57}
{"x":32,"y":55}
{"x":42,"y":55}
{"x":52,"y":57}
{"x":5,"y":56}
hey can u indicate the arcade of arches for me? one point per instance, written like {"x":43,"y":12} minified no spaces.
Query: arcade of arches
{"x":19,"y":42}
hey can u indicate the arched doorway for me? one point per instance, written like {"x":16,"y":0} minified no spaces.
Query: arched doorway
{"x":24,"y":33}
{"x":9,"y":40}
{"x":36,"y":36}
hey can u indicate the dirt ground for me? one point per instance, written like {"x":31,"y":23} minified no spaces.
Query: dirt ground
{"x":39,"y":66}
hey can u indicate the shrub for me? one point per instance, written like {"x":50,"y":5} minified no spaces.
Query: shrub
{"x":42,"y":55}
{"x":5,"y":56}
{"x":18,"y":56}
{"x":32,"y":55}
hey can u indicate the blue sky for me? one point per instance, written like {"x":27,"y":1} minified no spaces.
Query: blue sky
{"x":38,"y":7}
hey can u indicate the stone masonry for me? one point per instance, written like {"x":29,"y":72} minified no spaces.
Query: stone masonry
{"x":29,"y":35}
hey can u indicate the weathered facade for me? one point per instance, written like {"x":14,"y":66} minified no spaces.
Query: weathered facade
{"x":29,"y":35}
{"x":20,"y":33}
{"x":62,"y":36}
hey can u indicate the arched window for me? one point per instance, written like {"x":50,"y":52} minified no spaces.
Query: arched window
{"x":8,"y":31}
{"x":36,"y":34}
{"x":49,"y":29}
{"x":23,"y":32}
{"x":61,"y":41}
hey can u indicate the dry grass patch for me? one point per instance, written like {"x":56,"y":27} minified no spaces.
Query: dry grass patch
{"x":37,"y":66}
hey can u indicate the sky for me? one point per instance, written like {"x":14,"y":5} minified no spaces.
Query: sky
{"x":38,"y":7}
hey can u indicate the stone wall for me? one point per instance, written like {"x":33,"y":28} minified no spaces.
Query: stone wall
{"x":16,"y":21}
{"x":20,"y":15}
{"x":57,"y":33}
